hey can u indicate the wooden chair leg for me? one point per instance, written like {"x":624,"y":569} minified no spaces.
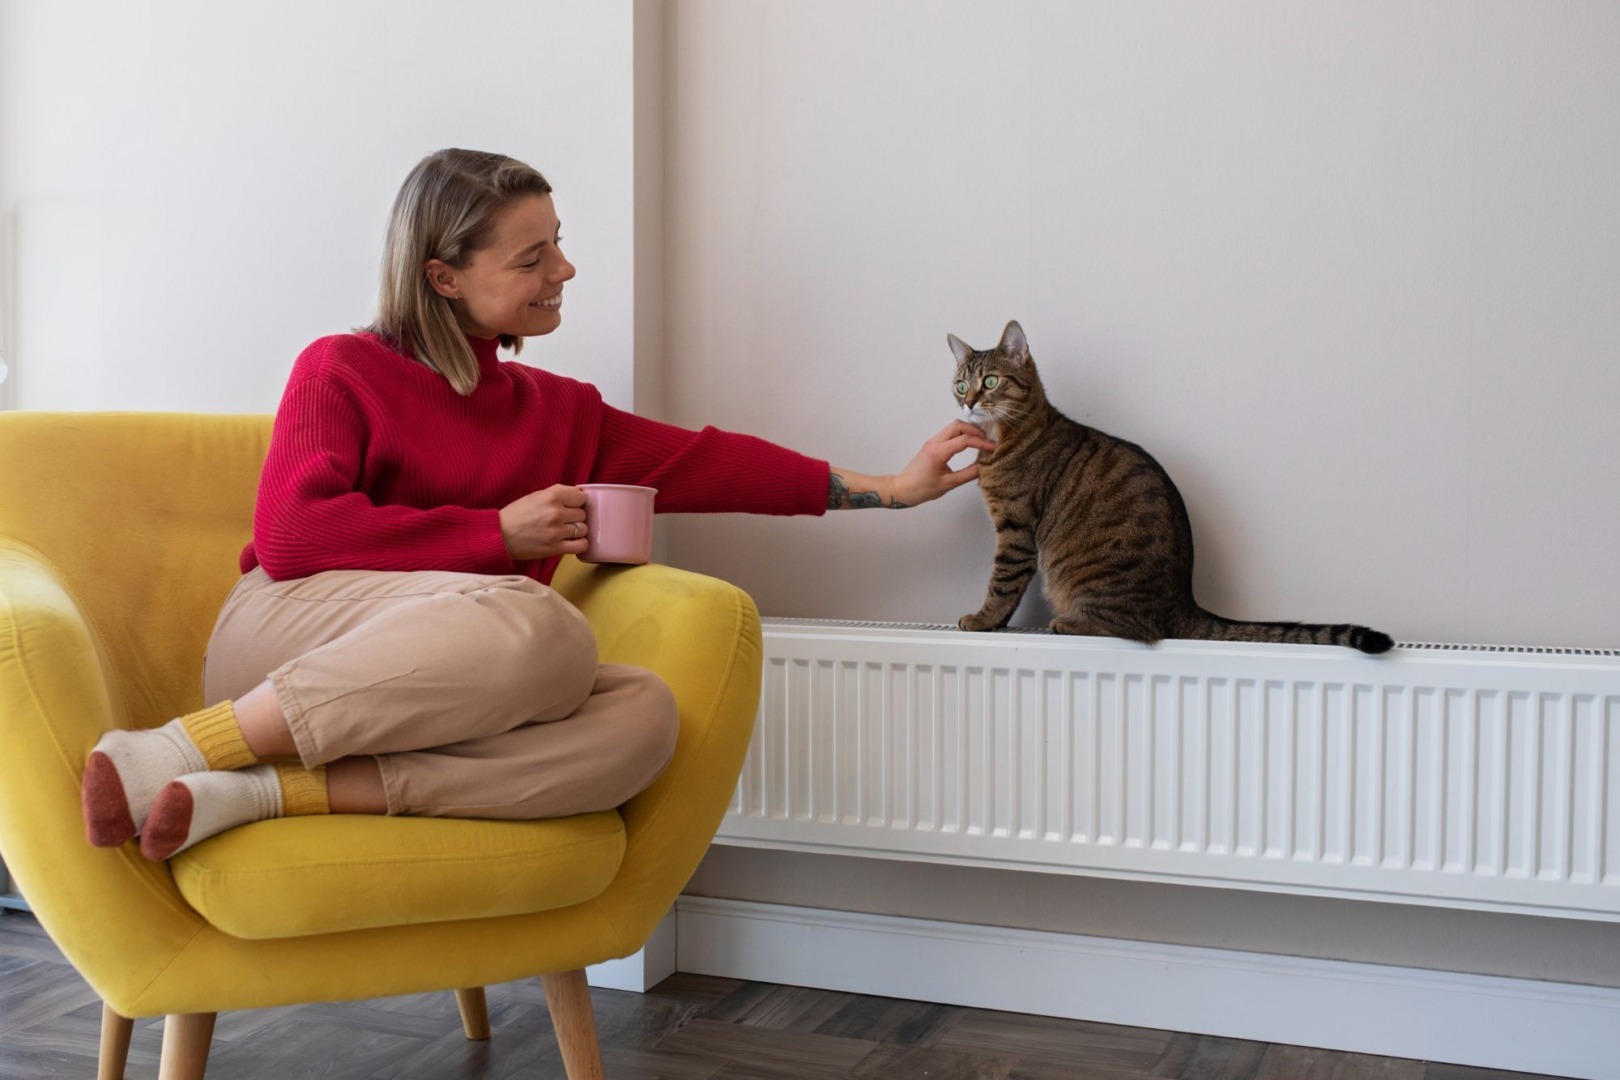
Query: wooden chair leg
{"x":474,"y":1012}
{"x":185,"y":1046}
{"x":115,"y":1032}
{"x":568,"y":996}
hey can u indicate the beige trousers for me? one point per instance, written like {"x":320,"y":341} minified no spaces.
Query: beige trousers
{"x":479,"y":696}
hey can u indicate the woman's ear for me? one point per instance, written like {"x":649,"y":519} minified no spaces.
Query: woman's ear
{"x":442,"y":277}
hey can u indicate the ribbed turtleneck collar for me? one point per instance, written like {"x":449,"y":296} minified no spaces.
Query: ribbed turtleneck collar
{"x":485,"y":349}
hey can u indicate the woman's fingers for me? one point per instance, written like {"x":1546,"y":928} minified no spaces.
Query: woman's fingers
{"x":569,"y":527}
{"x":571,"y":531}
{"x":546,"y":523}
{"x":966,"y":474}
{"x":959,"y":430}
{"x":973,"y":440}
{"x":970,"y":471}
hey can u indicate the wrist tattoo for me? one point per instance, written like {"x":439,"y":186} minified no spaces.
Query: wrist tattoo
{"x":839,"y":496}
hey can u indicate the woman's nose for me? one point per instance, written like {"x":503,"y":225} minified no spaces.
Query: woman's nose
{"x":564,"y":271}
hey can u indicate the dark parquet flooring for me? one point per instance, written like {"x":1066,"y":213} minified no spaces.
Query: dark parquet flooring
{"x":690,"y":1027}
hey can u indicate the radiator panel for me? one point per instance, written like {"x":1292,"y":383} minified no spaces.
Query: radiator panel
{"x":1460,"y":776}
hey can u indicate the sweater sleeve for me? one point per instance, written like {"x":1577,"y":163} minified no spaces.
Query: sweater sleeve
{"x":707,"y":471}
{"x":312,"y":516}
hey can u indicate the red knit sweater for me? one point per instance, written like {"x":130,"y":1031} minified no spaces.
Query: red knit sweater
{"x":376,"y":463}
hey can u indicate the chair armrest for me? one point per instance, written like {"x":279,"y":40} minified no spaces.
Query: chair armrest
{"x":702,"y":636}
{"x":117,"y":917}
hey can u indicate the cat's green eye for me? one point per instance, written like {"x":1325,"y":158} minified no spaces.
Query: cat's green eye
{"x":961,"y":387}
{"x":992,"y":381}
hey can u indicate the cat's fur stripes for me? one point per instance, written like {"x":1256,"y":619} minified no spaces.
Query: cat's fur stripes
{"x":1098,"y":515}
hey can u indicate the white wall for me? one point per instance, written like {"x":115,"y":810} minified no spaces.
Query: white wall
{"x":1349,"y":270}
{"x":191,"y":192}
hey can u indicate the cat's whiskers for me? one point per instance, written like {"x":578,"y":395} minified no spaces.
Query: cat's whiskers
{"x":1006,"y":414}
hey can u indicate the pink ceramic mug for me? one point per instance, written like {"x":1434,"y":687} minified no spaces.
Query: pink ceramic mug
{"x":618,"y":523}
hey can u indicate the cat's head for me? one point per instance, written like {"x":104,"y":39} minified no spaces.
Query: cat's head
{"x":998,"y":388}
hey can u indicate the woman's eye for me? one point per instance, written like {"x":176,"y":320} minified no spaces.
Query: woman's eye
{"x":992,"y":381}
{"x":961,"y":387}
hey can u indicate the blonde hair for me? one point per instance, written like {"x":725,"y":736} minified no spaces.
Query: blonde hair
{"x":445,"y":210}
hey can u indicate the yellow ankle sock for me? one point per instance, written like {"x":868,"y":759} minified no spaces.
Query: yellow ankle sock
{"x":303,"y":791}
{"x":219,"y":737}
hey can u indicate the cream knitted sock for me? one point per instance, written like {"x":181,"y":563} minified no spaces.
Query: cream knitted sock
{"x":125,"y":772}
{"x":192,"y":808}
{"x":127,"y":769}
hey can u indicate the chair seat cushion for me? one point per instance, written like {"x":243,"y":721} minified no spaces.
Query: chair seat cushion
{"x":316,"y":875}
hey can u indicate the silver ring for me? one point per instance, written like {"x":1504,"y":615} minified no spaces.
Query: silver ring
{"x":576,"y":530}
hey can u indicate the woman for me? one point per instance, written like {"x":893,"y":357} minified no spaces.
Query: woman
{"x":393,"y":645}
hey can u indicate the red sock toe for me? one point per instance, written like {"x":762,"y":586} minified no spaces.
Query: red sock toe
{"x":166,"y":830}
{"x":107,"y":821}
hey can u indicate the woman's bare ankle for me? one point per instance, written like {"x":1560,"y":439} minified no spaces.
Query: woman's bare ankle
{"x":354,"y":786}
{"x":264,"y":726}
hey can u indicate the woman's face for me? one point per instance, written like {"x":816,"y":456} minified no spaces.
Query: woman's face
{"x":514,"y":286}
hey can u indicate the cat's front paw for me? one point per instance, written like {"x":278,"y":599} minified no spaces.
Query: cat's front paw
{"x":975,"y":622}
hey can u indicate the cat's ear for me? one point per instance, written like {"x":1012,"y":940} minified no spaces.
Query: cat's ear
{"x":959,"y":348}
{"x":1013,"y":344}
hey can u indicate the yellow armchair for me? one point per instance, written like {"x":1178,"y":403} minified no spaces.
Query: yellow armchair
{"x":119,"y":534}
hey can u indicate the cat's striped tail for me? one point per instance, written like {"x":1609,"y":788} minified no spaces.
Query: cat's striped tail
{"x":1211,"y":627}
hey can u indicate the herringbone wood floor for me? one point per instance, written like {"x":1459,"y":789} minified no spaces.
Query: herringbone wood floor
{"x":690,"y":1027}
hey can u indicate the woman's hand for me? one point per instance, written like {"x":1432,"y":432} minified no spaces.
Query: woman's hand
{"x":545,"y":523}
{"x":929,"y":475}
{"x":926,"y":478}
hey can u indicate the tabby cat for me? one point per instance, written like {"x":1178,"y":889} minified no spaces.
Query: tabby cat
{"x":1102,"y":517}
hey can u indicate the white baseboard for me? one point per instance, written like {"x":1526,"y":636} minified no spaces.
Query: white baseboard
{"x":640,"y":971}
{"x":1513,"y":1024}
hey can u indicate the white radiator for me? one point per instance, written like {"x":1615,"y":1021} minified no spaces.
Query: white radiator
{"x":1449,"y":775}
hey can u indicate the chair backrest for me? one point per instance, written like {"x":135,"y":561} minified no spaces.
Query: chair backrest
{"x":143,"y":516}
